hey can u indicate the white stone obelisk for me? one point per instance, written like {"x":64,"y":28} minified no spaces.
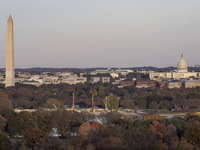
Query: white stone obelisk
{"x":10,"y":54}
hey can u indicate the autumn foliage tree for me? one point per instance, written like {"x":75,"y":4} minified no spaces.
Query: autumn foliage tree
{"x":33,"y":136}
{"x":192,"y":135}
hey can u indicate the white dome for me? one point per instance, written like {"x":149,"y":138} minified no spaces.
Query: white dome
{"x":182,"y":66}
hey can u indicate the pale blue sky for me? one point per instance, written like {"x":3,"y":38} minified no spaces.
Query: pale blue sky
{"x":102,"y":33}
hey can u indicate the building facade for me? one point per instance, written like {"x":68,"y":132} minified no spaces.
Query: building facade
{"x":180,"y":73}
{"x":192,"y":83}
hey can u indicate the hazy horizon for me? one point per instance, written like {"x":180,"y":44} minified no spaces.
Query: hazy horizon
{"x":95,"y":67}
{"x":90,"y":34}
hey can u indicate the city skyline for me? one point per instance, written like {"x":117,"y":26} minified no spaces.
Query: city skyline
{"x":102,"y":34}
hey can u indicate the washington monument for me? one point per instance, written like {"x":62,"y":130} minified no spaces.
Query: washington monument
{"x":10,"y":54}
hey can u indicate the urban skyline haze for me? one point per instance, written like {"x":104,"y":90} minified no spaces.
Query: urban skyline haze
{"x":106,"y":33}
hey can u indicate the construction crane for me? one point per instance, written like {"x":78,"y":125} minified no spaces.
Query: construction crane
{"x":73,"y":101}
{"x":55,"y":107}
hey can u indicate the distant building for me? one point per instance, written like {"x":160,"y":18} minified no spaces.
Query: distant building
{"x":99,"y":79}
{"x":113,"y":72}
{"x":51,"y":80}
{"x":180,"y":73}
{"x":116,"y":82}
{"x":174,"y":84}
{"x":127,"y":83}
{"x":146,"y":83}
{"x":191,"y":83}
{"x":19,"y":79}
{"x":2,"y":78}
{"x":94,"y":79}
{"x":63,"y":74}
{"x":32,"y":82}
{"x":105,"y":79}
{"x":72,"y":79}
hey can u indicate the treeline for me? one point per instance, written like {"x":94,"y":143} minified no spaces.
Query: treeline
{"x":87,"y":70}
{"x":39,"y":70}
{"x":30,"y":97}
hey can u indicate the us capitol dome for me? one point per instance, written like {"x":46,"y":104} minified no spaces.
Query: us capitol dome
{"x":180,"y":73}
{"x":182,"y":66}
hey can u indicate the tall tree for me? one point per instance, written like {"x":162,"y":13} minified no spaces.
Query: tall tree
{"x":112,"y":101}
{"x":6,"y":107}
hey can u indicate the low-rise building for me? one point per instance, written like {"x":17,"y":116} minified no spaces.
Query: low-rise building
{"x":113,"y":72}
{"x":191,"y":83}
{"x":146,"y":83}
{"x":51,"y":80}
{"x":31,"y":82}
{"x":174,"y":84}
{"x":99,"y":79}
{"x":94,"y":79}
{"x":127,"y":83}
{"x":73,"y":79}
{"x":105,"y":79}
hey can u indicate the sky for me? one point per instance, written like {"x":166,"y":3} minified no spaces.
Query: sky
{"x":101,"y":33}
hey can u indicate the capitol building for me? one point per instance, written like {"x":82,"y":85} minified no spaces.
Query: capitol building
{"x":180,"y":73}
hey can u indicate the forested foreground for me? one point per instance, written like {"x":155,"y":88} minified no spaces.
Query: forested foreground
{"x":32,"y":97}
{"x":62,"y":130}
